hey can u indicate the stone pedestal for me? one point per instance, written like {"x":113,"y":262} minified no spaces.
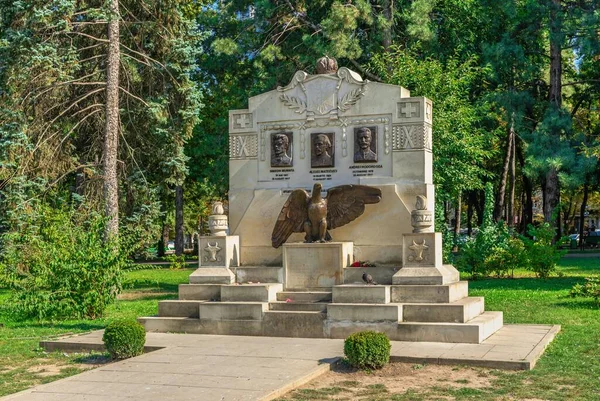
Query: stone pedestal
{"x":422,"y":261}
{"x":219,"y":251}
{"x":316,"y":265}
{"x":215,"y":255}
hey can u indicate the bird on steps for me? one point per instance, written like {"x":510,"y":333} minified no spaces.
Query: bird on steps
{"x":367,"y":278}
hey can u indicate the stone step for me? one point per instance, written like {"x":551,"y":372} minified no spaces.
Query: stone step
{"x":232,"y":310}
{"x":459,"y":311}
{"x":361,"y":294}
{"x":304,"y":296}
{"x":474,"y":331}
{"x":250,"y":292}
{"x":364,"y":312}
{"x":444,"y":293}
{"x":212,"y":275}
{"x":179,"y":308}
{"x":298,"y":306}
{"x":290,"y":323}
{"x":258,"y":274}
{"x":206,"y":292}
{"x":381,"y":274}
{"x":168,"y":324}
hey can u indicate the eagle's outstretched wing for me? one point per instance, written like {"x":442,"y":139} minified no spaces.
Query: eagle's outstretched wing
{"x":346,"y":202}
{"x":292,"y":217}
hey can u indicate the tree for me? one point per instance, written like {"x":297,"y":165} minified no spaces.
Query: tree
{"x":111,"y":130}
{"x":59,"y":93}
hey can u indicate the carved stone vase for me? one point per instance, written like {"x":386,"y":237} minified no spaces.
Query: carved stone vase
{"x":421,"y":218}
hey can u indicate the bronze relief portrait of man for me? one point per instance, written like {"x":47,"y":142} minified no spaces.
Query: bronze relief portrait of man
{"x":281,"y":149}
{"x":322,"y":148}
{"x":365,"y":145}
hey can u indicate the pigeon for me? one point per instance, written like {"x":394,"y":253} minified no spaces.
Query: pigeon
{"x":367,"y":278}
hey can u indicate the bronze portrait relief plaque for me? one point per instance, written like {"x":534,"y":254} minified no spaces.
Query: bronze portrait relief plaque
{"x":281,"y":149}
{"x":365,"y":145}
{"x":322,"y":149}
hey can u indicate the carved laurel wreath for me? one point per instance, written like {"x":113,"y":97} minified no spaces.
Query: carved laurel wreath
{"x":293,"y":103}
{"x":351,"y":98}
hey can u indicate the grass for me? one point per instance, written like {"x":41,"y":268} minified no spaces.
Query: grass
{"x":23,"y":364}
{"x":569,"y":370}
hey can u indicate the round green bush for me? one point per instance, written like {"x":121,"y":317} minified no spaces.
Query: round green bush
{"x":367,"y":350}
{"x":124,"y":339}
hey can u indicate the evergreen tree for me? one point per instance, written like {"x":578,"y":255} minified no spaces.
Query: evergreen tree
{"x":54,"y":75}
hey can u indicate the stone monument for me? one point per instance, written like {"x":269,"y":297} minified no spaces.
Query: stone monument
{"x":362,"y":143}
{"x":334,"y":128}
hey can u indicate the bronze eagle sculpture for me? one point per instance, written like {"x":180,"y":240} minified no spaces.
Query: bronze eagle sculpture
{"x":313,"y":215}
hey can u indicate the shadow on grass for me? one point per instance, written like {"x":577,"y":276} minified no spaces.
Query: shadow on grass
{"x":93,"y":359}
{"x":150,"y":284}
{"x":579,"y":304}
{"x":70,"y":326}
{"x":526,"y":284}
{"x":146,"y":296}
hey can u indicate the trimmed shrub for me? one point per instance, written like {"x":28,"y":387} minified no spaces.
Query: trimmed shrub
{"x":124,"y":339}
{"x":367,"y":350}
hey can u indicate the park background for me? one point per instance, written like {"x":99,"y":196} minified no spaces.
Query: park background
{"x":113,"y":139}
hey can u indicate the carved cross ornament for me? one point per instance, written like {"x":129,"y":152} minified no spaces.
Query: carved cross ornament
{"x":243,"y":121}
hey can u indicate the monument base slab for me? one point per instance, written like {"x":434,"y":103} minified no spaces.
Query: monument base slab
{"x":315,"y":265}
{"x":212,"y":275}
{"x":445,"y":274}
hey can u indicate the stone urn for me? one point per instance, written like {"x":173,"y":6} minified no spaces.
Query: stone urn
{"x":217,"y":222}
{"x":421,"y":218}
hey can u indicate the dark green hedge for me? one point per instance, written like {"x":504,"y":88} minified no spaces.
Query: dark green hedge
{"x":124,"y":339}
{"x":367,"y":350}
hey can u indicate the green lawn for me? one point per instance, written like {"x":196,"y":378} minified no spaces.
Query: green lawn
{"x":23,"y":364}
{"x":569,"y":370}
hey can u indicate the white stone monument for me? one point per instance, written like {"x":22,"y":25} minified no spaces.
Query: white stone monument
{"x":334,"y":128}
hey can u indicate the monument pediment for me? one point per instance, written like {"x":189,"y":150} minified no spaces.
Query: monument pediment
{"x":323,"y":94}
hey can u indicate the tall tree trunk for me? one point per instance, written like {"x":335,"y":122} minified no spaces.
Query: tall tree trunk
{"x":527,"y":217}
{"x":582,"y":213}
{"x":552,"y":188}
{"x":457,"y":214}
{"x":479,"y":204}
{"x":164,"y":239}
{"x":179,"y":220}
{"x":388,"y":14}
{"x":499,"y":209}
{"x":513,"y":179}
{"x":111,"y":130}
{"x":470,"y":201}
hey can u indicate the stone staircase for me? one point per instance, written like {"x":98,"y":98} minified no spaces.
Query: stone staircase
{"x":433,"y":313}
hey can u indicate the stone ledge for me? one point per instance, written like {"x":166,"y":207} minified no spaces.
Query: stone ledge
{"x":429,"y":293}
{"x":361,"y":294}
{"x":459,"y":311}
{"x":364,"y":312}
{"x":264,"y":292}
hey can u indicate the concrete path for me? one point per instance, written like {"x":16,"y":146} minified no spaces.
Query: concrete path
{"x":221,"y":368}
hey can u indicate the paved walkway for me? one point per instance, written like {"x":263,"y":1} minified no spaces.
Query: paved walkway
{"x":231,"y":368}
